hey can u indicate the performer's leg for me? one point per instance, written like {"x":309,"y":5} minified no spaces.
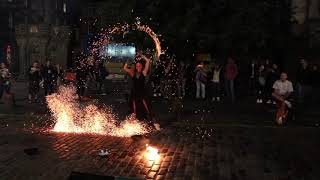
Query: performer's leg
{"x":145,"y":106}
{"x":134,"y":107}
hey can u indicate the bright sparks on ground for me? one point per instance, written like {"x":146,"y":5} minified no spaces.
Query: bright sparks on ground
{"x":72,"y":117}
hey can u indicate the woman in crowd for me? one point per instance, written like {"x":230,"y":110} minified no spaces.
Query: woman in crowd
{"x":5,"y":84}
{"x":216,"y":83}
{"x":262,"y":74}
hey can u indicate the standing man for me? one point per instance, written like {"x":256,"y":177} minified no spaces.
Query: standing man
{"x":273,"y":74}
{"x":81,"y":77}
{"x":303,"y":80}
{"x":231,"y":72}
{"x":201,"y":80}
{"x":50,"y":77}
{"x":34,"y":82}
{"x":253,"y":71}
{"x":100,"y":74}
{"x":315,"y":76}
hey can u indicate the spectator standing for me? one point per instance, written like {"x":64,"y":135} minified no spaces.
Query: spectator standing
{"x":261,"y":82}
{"x":183,"y":78}
{"x":303,"y":80}
{"x":315,"y":80}
{"x":49,"y":74}
{"x":201,"y":80}
{"x":60,"y":74}
{"x":231,"y":72}
{"x":253,"y":70}
{"x":100,"y":74}
{"x":273,"y":74}
{"x":34,"y":82}
{"x":81,"y":78}
{"x":216,"y":73}
{"x":5,"y":83}
{"x":190,"y":79}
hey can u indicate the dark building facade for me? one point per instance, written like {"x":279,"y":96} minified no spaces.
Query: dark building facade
{"x":37,"y":30}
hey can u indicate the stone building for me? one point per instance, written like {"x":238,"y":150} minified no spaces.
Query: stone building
{"x":307,"y":17}
{"x":42,"y":33}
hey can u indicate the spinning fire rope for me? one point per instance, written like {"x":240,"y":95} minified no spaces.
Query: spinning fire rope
{"x":106,"y":36}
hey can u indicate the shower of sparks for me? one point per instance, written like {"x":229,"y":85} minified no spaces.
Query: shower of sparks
{"x":106,"y":35}
{"x":71,"y":117}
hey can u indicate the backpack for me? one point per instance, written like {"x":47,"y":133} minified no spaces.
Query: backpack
{"x":202,"y":77}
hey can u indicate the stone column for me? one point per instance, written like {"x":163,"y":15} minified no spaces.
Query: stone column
{"x":22,"y":44}
{"x":62,"y":46}
{"x":314,"y":9}
{"x":300,"y":9}
{"x":42,"y":48}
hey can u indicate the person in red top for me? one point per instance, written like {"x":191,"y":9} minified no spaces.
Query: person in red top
{"x":231,"y":72}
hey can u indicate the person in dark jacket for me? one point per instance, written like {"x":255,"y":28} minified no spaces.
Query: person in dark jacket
{"x":100,"y":73}
{"x":81,"y":78}
{"x":253,"y":74}
{"x":315,"y":76}
{"x":273,"y":74}
{"x":34,"y":73}
{"x":261,"y":83}
{"x":49,"y":74}
{"x":304,"y":80}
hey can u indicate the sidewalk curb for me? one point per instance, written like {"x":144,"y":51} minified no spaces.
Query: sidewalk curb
{"x":180,"y":124}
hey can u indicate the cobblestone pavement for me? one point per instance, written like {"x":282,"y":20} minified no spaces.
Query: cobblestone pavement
{"x":185,"y":153}
{"x":216,"y":146}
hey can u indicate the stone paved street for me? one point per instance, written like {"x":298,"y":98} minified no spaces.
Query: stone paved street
{"x":212,"y":144}
{"x":186,"y":153}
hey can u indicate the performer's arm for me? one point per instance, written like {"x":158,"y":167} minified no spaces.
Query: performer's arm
{"x":128,"y":70}
{"x":147,"y":65}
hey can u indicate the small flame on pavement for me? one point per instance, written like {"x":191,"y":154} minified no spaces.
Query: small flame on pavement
{"x":152,"y":153}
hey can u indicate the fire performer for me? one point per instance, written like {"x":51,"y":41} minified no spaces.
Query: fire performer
{"x":138,"y":73}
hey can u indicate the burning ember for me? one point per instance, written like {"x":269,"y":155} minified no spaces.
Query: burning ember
{"x":152,"y":154}
{"x":71,"y":117}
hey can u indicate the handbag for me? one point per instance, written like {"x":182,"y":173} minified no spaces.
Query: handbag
{"x":262,"y":81}
{"x":202,"y":78}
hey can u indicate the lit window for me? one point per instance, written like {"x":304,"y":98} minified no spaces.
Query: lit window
{"x":64,"y":7}
{"x":33,"y":29}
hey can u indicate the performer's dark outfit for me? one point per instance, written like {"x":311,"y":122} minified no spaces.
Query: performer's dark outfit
{"x":138,"y":95}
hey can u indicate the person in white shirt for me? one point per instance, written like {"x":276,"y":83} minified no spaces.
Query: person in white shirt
{"x":282,"y":91}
